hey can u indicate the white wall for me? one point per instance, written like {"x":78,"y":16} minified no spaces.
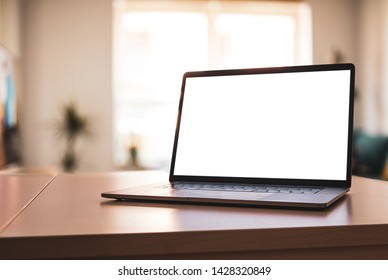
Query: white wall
{"x":67,"y":56}
{"x":333,"y":28}
{"x":373,"y":70}
{"x":10,"y":25}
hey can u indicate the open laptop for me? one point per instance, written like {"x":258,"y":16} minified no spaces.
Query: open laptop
{"x":267,"y":136}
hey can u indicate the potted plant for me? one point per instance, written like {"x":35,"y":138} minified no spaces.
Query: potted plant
{"x":72,"y":126}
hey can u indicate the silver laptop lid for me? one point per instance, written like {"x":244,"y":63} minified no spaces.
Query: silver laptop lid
{"x":287,"y":125}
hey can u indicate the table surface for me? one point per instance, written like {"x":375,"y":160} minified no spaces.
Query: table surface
{"x":69,"y":219}
{"x":17,"y":192}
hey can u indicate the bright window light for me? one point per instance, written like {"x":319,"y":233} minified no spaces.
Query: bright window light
{"x":155,"y":42}
{"x":258,"y":45}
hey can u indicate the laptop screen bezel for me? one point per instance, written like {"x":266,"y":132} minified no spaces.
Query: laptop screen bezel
{"x":257,"y":180}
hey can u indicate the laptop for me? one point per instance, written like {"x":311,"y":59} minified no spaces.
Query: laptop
{"x":277,"y":136}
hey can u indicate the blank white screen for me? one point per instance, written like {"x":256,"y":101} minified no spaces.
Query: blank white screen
{"x":282,"y":125}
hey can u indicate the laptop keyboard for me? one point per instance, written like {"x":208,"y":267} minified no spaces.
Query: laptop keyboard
{"x":247,"y":188}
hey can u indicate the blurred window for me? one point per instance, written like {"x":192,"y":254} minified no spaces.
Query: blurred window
{"x":155,"y":42}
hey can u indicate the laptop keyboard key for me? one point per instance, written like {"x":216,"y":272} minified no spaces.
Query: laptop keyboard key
{"x":248,"y":188}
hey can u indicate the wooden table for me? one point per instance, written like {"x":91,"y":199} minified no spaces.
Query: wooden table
{"x":69,"y":219}
{"x":17,"y":192}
